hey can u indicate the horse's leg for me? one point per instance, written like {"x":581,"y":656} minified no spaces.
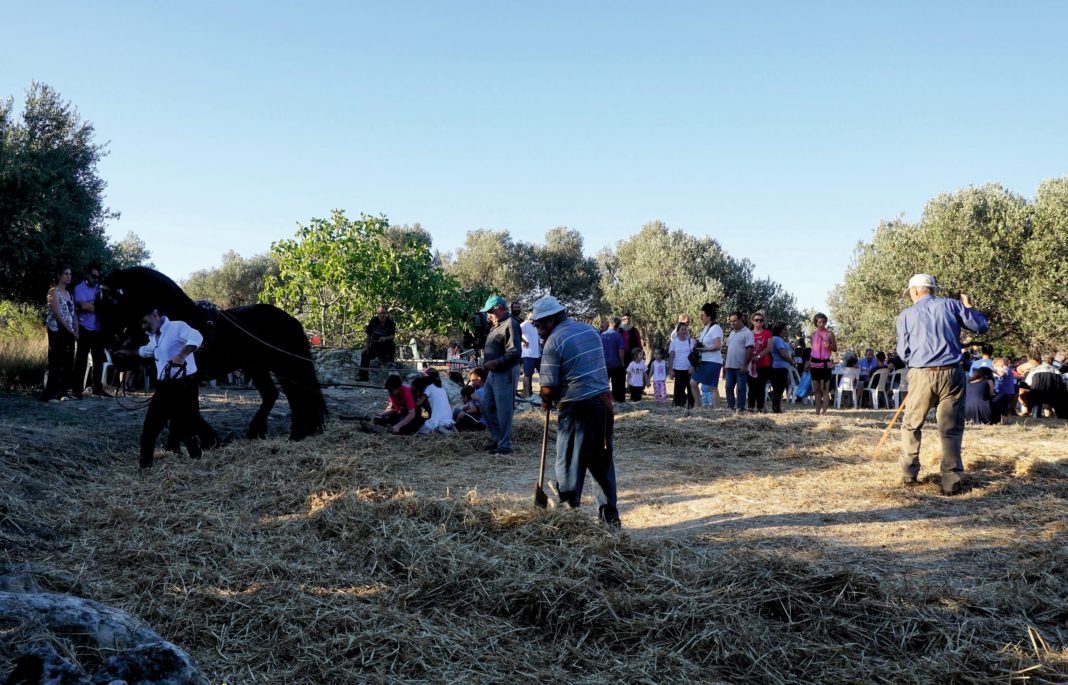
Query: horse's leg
{"x":269,"y":394}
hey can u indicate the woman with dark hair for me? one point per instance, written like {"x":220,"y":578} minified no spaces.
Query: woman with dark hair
{"x":710,"y":343}
{"x":760,"y":367}
{"x":679,"y":367}
{"x":62,"y":332}
{"x":781,"y":362}
{"x":978,"y":405}
{"x":820,"y":364}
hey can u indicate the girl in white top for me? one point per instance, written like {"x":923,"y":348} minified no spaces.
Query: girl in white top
{"x":440,"y":409}
{"x":659,"y":374}
{"x":637,"y":378}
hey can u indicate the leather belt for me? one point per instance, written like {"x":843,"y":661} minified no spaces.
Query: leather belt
{"x":948,"y":367}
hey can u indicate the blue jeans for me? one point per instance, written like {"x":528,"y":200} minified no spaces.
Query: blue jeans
{"x":737,"y":379}
{"x":584,"y":440}
{"x":498,"y":404}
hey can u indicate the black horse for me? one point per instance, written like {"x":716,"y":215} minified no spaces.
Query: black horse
{"x":259,"y":339}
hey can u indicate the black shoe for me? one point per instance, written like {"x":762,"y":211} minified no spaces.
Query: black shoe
{"x":102,"y":393}
{"x":490,"y":447}
{"x":503,"y":450}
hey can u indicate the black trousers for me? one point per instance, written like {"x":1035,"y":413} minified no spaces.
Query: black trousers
{"x":386,"y":351}
{"x":60,"y":364}
{"x":176,"y":402}
{"x":618,"y":378}
{"x":779,"y":381}
{"x":88,"y":341}
{"x":758,"y":387}
{"x":683,"y":396}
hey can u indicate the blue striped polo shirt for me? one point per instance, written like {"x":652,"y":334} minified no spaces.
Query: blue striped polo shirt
{"x":573,"y":361}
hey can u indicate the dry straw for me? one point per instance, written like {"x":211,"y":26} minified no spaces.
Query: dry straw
{"x":355,"y":557}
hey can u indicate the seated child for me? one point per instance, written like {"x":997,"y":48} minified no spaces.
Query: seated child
{"x":401,"y":414}
{"x":437,"y":404}
{"x":472,"y":408}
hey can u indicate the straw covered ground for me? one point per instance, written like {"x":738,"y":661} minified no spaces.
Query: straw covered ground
{"x":775,"y":549}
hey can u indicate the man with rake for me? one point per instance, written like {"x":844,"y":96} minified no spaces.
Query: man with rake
{"x":573,"y":375}
{"x":928,"y":339}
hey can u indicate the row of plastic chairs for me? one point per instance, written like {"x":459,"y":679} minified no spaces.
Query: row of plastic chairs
{"x":884,"y":385}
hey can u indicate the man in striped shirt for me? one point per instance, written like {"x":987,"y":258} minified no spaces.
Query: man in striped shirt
{"x":573,"y":375}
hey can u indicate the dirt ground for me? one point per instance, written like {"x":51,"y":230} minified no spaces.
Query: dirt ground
{"x":814,"y":486}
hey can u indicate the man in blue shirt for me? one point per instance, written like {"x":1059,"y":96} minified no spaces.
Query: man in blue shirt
{"x":928,"y":339}
{"x":615,"y":351}
{"x":89,"y":339}
{"x":573,"y":376}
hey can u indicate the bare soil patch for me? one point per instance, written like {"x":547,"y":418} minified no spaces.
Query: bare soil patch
{"x":773,"y":548}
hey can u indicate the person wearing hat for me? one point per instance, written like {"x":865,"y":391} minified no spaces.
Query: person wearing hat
{"x":504,"y":345}
{"x":928,"y":339}
{"x":574,"y":377}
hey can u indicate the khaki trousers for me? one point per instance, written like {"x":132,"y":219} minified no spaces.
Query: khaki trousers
{"x":943,"y":390}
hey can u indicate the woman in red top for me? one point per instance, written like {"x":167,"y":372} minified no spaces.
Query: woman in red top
{"x":760,"y":367}
{"x":820,"y":363}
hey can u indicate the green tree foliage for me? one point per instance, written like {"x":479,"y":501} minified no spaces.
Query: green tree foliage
{"x":658,"y":274}
{"x":560,"y":268}
{"x":972,"y":241}
{"x":491,"y":262}
{"x":336,"y":271}
{"x":236,"y":283}
{"x":1043,"y":284}
{"x":130,"y":251}
{"x":51,"y":196}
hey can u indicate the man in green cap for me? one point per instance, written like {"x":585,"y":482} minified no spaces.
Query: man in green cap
{"x":502,"y":354}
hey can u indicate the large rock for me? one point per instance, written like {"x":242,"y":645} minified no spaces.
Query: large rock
{"x":139,"y":654}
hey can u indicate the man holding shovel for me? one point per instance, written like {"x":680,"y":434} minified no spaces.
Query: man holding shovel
{"x":574,"y":377}
{"x":928,"y":339}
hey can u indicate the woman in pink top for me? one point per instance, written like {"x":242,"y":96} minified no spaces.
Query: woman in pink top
{"x":820,"y":364}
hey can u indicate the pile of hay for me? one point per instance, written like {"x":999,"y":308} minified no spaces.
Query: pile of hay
{"x":345,"y":558}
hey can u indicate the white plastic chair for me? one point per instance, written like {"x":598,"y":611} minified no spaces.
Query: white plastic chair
{"x":877,"y":386}
{"x":847,"y":385}
{"x":108,"y":366}
{"x":897,"y":385}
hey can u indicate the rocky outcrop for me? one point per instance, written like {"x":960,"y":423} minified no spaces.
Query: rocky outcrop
{"x":86,"y":631}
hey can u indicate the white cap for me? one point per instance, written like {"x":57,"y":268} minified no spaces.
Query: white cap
{"x":922,"y":281}
{"x":546,"y":306}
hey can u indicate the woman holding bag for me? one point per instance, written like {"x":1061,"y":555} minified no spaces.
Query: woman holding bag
{"x":710,"y":344}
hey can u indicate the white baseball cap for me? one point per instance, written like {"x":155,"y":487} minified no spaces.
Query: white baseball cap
{"x":922,"y":281}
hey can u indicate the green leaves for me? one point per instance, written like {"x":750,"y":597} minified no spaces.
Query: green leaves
{"x":1007,"y":253}
{"x":337,"y":271}
{"x":51,"y":196}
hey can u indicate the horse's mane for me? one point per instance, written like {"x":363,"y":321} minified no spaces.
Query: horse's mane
{"x":143,"y":287}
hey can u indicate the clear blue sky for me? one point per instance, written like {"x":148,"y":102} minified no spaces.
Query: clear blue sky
{"x":787,"y":131}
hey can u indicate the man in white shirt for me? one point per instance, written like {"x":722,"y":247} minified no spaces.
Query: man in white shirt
{"x":171,"y":344}
{"x":736,"y":362}
{"x":531,"y":353}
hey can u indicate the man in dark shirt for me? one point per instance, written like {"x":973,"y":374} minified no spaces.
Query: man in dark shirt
{"x":504,"y":347}
{"x":928,"y":339}
{"x":614,"y":355}
{"x":381,"y":341}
